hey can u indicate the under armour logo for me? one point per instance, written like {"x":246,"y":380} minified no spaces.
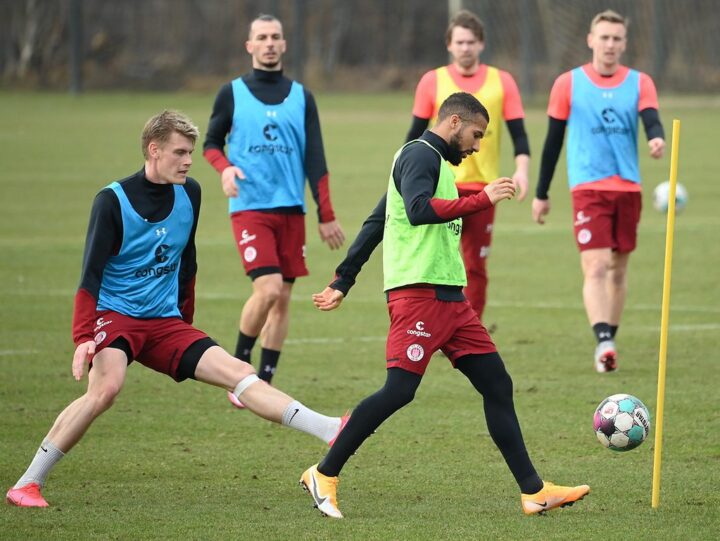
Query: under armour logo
{"x":160,"y":231}
{"x":271,"y":114}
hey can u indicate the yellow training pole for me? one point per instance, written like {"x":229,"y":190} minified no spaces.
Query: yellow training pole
{"x":665,"y":315}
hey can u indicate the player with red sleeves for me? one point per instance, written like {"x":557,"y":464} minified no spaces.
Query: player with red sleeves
{"x":497,"y":91}
{"x":600,"y":103}
{"x":419,"y":221}
{"x":271,"y":126}
{"x":135,"y":302}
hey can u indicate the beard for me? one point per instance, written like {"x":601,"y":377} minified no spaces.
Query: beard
{"x":455,"y":154}
{"x":270,"y":66}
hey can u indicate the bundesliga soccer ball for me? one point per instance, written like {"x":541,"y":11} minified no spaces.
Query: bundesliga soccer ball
{"x":661,"y":197}
{"x":621,"y":422}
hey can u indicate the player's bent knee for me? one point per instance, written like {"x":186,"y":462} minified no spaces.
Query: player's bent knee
{"x":104,"y":397}
{"x":270,"y":295}
{"x":398,"y":395}
{"x":403,"y":396}
{"x":242,"y":369}
{"x":597,"y":270}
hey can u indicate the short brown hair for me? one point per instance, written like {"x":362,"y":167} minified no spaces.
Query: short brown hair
{"x":609,"y":16}
{"x":266,"y":18}
{"x":466,"y":19}
{"x":160,"y":127}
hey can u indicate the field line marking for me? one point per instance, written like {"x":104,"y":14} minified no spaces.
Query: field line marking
{"x":336,"y":340}
{"x":685,"y":328}
{"x":380,"y":299}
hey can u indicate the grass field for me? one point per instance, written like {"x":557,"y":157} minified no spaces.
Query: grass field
{"x":177,"y":462}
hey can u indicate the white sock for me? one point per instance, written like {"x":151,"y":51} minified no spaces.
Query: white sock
{"x":306,"y":420}
{"x":45,"y":459}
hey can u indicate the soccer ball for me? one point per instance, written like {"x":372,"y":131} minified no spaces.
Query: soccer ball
{"x":661,"y":196}
{"x":621,"y":422}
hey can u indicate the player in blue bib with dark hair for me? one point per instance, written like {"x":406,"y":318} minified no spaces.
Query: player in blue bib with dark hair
{"x":271,"y":127}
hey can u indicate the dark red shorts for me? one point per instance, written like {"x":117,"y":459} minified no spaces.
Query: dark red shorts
{"x":157,"y":343}
{"x":420,"y":325}
{"x":606,"y":219}
{"x":266,"y":240}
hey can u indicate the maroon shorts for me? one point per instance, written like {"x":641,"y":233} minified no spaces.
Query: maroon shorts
{"x":606,"y":219}
{"x":420,"y":325}
{"x":271,"y":241}
{"x":157,"y":343}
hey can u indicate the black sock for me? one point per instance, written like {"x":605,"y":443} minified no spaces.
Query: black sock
{"x":602,"y":331}
{"x":614,"y":330}
{"x":525,"y":475}
{"x":268,"y":364}
{"x":399,"y":390}
{"x":244,"y":346}
{"x":488,"y":375}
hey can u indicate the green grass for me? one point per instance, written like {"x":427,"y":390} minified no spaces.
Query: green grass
{"x":177,"y":462}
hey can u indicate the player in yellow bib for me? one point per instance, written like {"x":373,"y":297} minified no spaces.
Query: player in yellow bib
{"x":497,"y":91}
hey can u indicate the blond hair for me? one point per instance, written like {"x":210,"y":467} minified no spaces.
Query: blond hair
{"x":609,"y":16}
{"x":161,"y":126}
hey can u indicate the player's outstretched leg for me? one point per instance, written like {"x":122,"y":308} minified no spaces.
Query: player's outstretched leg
{"x":217,"y":367}
{"x":321,"y":480}
{"x":551,"y":497}
{"x":488,"y":375}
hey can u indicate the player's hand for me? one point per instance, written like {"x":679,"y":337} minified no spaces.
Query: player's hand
{"x":540,"y":209}
{"x":657,"y":147}
{"x":332,"y":234}
{"x":81,"y":357}
{"x":328,"y":299}
{"x":229,"y":185}
{"x":499,"y":189}
{"x":520,"y":179}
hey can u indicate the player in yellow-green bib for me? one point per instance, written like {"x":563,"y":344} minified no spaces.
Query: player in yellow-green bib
{"x":430,"y":254}
{"x":420,"y":221}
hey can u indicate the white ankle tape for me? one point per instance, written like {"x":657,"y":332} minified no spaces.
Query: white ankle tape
{"x":244,"y":384}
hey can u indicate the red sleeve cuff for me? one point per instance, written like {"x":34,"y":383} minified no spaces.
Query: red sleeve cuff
{"x":84,"y":314}
{"x":217,"y":159}
{"x":187,"y":308}
{"x":325,"y":210}
{"x":449,"y":209}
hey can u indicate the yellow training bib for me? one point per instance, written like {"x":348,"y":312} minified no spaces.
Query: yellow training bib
{"x":483,"y":166}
